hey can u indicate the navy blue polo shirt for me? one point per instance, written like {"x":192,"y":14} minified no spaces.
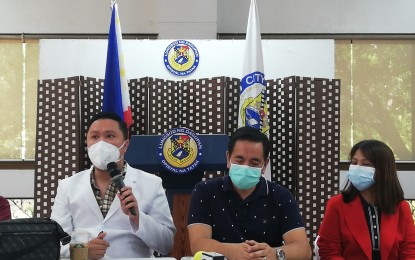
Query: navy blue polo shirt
{"x":268,"y":213}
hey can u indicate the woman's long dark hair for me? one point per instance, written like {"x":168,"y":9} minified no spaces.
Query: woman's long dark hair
{"x":388,"y":190}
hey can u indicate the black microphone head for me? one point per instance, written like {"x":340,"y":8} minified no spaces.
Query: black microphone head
{"x":113,"y":169}
{"x":118,"y":180}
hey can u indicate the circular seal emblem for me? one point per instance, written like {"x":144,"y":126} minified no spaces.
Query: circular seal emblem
{"x":181,"y":58}
{"x":180,"y":150}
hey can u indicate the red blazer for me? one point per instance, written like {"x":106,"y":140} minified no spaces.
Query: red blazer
{"x":344,"y":233}
{"x":4,"y":209}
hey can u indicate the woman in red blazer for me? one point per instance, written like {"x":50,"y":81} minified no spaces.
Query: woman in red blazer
{"x":370,"y":218}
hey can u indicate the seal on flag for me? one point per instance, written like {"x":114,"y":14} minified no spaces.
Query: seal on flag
{"x":181,"y":58}
{"x":254,"y":113}
{"x":253,"y":106}
{"x":180,"y":150}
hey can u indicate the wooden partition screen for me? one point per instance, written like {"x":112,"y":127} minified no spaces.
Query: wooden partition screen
{"x":304,"y":132}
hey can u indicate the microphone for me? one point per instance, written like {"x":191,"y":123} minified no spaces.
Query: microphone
{"x":118,"y":179}
{"x":208,"y":256}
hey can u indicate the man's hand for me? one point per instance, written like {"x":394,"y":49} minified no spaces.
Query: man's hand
{"x":238,"y":252}
{"x":260,"y":250}
{"x":128,"y":201}
{"x":97,"y":247}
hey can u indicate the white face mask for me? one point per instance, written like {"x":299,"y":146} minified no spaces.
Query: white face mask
{"x":102,"y":153}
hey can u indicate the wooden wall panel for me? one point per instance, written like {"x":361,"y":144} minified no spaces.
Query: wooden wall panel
{"x":304,"y":133}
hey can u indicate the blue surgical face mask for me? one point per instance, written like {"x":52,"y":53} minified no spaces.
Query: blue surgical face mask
{"x":362,"y":177}
{"x":243,"y":176}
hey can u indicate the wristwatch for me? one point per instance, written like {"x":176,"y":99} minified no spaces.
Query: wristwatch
{"x":280,"y":254}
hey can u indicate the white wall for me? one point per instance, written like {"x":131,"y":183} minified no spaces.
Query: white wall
{"x":282,"y":58}
{"x":17,"y":183}
{"x":201,"y":19}
{"x":320,"y":16}
{"x":195,"y":19}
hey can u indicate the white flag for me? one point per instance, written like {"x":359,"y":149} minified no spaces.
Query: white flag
{"x":253,"y":109}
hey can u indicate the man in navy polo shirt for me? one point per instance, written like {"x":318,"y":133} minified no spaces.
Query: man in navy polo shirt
{"x":242,"y":215}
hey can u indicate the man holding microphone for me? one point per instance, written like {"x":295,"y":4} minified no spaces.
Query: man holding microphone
{"x":135,"y":224}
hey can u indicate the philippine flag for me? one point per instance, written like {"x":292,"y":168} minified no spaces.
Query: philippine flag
{"x":116,"y":95}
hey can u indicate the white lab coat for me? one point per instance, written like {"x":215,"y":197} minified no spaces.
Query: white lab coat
{"x":75,"y":207}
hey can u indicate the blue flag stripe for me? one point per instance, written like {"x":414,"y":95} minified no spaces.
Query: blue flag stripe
{"x":112,"y":99}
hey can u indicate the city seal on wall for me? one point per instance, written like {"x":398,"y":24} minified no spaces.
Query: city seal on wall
{"x":181,"y":58}
{"x":180,"y":150}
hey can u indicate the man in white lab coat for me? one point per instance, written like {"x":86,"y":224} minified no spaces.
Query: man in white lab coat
{"x":135,"y":224}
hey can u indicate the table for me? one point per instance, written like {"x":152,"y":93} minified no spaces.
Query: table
{"x":161,"y":258}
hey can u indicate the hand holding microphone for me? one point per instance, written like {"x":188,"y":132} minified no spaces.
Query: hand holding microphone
{"x":118,"y":179}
